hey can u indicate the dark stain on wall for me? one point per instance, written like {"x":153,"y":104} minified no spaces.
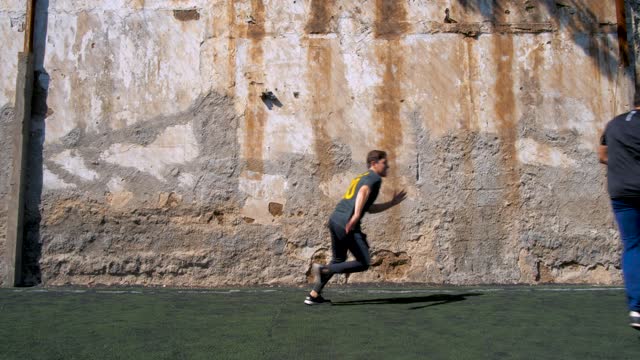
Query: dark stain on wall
{"x":321,"y":17}
{"x":186,"y":15}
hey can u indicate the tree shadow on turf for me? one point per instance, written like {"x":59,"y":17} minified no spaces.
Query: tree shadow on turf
{"x":432,"y":300}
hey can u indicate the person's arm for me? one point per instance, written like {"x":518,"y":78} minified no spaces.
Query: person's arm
{"x":602,"y":154}
{"x":361,"y":199}
{"x":397,"y":199}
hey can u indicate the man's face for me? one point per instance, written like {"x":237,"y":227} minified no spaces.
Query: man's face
{"x":380,"y":167}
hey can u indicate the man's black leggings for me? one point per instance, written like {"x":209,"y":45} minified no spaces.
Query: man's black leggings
{"x":341,"y":242}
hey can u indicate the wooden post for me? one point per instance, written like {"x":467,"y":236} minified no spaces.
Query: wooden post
{"x":20,"y":146}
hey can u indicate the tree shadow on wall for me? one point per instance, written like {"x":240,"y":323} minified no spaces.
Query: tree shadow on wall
{"x":32,"y":244}
{"x":586,"y":30}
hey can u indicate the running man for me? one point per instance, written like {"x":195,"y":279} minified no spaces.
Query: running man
{"x":344,"y":225}
{"x":620,"y":151}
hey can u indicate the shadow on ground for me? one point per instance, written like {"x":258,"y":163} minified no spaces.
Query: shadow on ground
{"x":431,"y":300}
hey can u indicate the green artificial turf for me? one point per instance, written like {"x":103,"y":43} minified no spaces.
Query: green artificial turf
{"x":398,"y":323}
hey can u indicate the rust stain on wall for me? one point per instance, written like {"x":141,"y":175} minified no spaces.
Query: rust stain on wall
{"x":391,"y":19}
{"x":506,"y":122}
{"x":138,"y":4}
{"x":255,"y":28}
{"x":390,"y":25}
{"x":321,"y":17}
{"x":327,"y":83}
{"x":231,"y":46}
{"x":186,"y":15}
{"x":320,"y":77}
{"x":389,"y":96}
{"x":505,"y":101}
{"x":600,"y":52}
{"x":470,"y":120}
{"x":255,"y":113}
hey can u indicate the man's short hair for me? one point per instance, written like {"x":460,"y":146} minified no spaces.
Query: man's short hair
{"x":375,"y":156}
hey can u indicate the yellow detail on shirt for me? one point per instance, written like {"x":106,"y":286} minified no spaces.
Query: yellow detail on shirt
{"x":352,"y":187}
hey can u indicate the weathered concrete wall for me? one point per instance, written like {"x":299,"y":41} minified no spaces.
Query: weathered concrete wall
{"x":157,"y":161}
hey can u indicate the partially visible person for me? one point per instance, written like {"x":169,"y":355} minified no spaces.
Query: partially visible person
{"x":344,"y":225}
{"x":620,"y":151}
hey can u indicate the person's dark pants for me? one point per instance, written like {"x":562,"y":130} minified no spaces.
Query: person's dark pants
{"x":341,"y":242}
{"x":627,"y":213}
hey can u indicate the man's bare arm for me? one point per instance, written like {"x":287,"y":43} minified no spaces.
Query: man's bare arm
{"x":361,"y":199}
{"x":397,"y":199}
{"x":602,"y":154}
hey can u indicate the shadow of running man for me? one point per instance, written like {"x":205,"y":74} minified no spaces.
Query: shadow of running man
{"x":431,"y":300}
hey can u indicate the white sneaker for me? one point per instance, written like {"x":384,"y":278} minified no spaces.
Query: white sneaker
{"x":635,"y":319}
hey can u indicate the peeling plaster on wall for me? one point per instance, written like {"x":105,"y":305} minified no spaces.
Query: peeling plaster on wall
{"x":176,"y":145}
